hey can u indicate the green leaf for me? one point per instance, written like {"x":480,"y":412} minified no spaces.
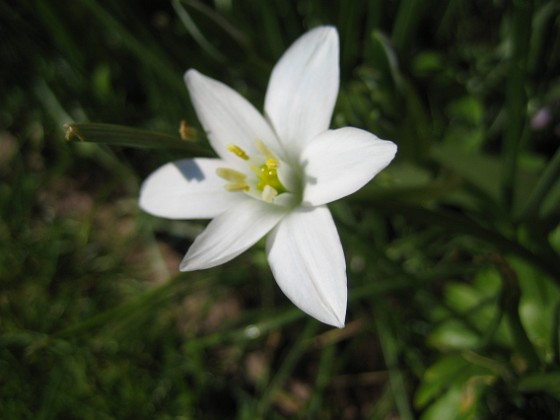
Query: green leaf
{"x":445,"y":407}
{"x":455,"y":384}
{"x":459,"y":402}
{"x":538,"y":303}
{"x":453,"y":334}
{"x":438,"y":377}
{"x":541,"y":382}
{"x":483,"y":172}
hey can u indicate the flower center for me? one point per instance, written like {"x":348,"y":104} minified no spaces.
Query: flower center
{"x":265,"y":174}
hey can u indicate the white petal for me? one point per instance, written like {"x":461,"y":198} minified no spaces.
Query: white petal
{"x":303,"y":88}
{"x":290,"y":178}
{"x":186,"y":189}
{"x":339,"y":162}
{"x":231,"y":233}
{"x":306,"y":258}
{"x":227,"y":117}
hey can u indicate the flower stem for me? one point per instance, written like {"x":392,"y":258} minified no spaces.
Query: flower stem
{"x":516,"y":98}
{"x":511,"y":296}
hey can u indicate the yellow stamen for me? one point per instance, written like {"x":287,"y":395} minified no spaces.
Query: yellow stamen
{"x":238,"y":151}
{"x":264,"y":150}
{"x":267,"y":182}
{"x":236,"y":187}
{"x":231,"y":175}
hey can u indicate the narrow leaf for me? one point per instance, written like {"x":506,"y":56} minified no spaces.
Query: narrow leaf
{"x":548,"y":382}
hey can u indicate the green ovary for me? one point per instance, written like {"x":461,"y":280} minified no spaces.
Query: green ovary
{"x":268,"y":184}
{"x":267,"y":174}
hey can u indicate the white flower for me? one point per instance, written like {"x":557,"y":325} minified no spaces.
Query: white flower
{"x":274,"y":175}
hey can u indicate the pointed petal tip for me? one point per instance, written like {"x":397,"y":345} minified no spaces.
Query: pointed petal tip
{"x":339,"y":325}
{"x":340,"y":162}
{"x":190,"y":74}
{"x":339,"y":316}
{"x":192,"y":262}
{"x":303,"y":88}
{"x":327,"y":35}
{"x":307,"y":261}
{"x":331,"y":313}
{"x":335,"y":317}
{"x":328,"y":30}
{"x":184,"y":266}
{"x":187,"y":266}
{"x":337,"y":320}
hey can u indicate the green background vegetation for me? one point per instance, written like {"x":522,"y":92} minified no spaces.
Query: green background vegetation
{"x":453,"y":251}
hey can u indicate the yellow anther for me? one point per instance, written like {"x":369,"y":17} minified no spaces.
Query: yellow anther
{"x":186,"y":132}
{"x":238,"y":151}
{"x":272,"y":163}
{"x":231,"y":175}
{"x":236,"y":187}
{"x":71,"y":132}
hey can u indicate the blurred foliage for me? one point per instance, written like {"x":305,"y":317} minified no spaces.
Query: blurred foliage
{"x":453,"y":251}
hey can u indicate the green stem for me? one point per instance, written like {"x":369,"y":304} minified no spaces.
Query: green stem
{"x":516,"y":98}
{"x":548,"y":179}
{"x":408,"y":18}
{"x":555,"y":336}
{"x":118,"y":135}
{"x":511,"y":296}
{"x":299,"y":347}
{"x":389,"y":346}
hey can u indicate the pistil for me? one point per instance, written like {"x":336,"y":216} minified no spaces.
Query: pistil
{"x":267,"y":184}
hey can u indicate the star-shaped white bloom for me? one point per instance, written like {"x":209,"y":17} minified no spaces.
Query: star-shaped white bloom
{"x":274,"y":176}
